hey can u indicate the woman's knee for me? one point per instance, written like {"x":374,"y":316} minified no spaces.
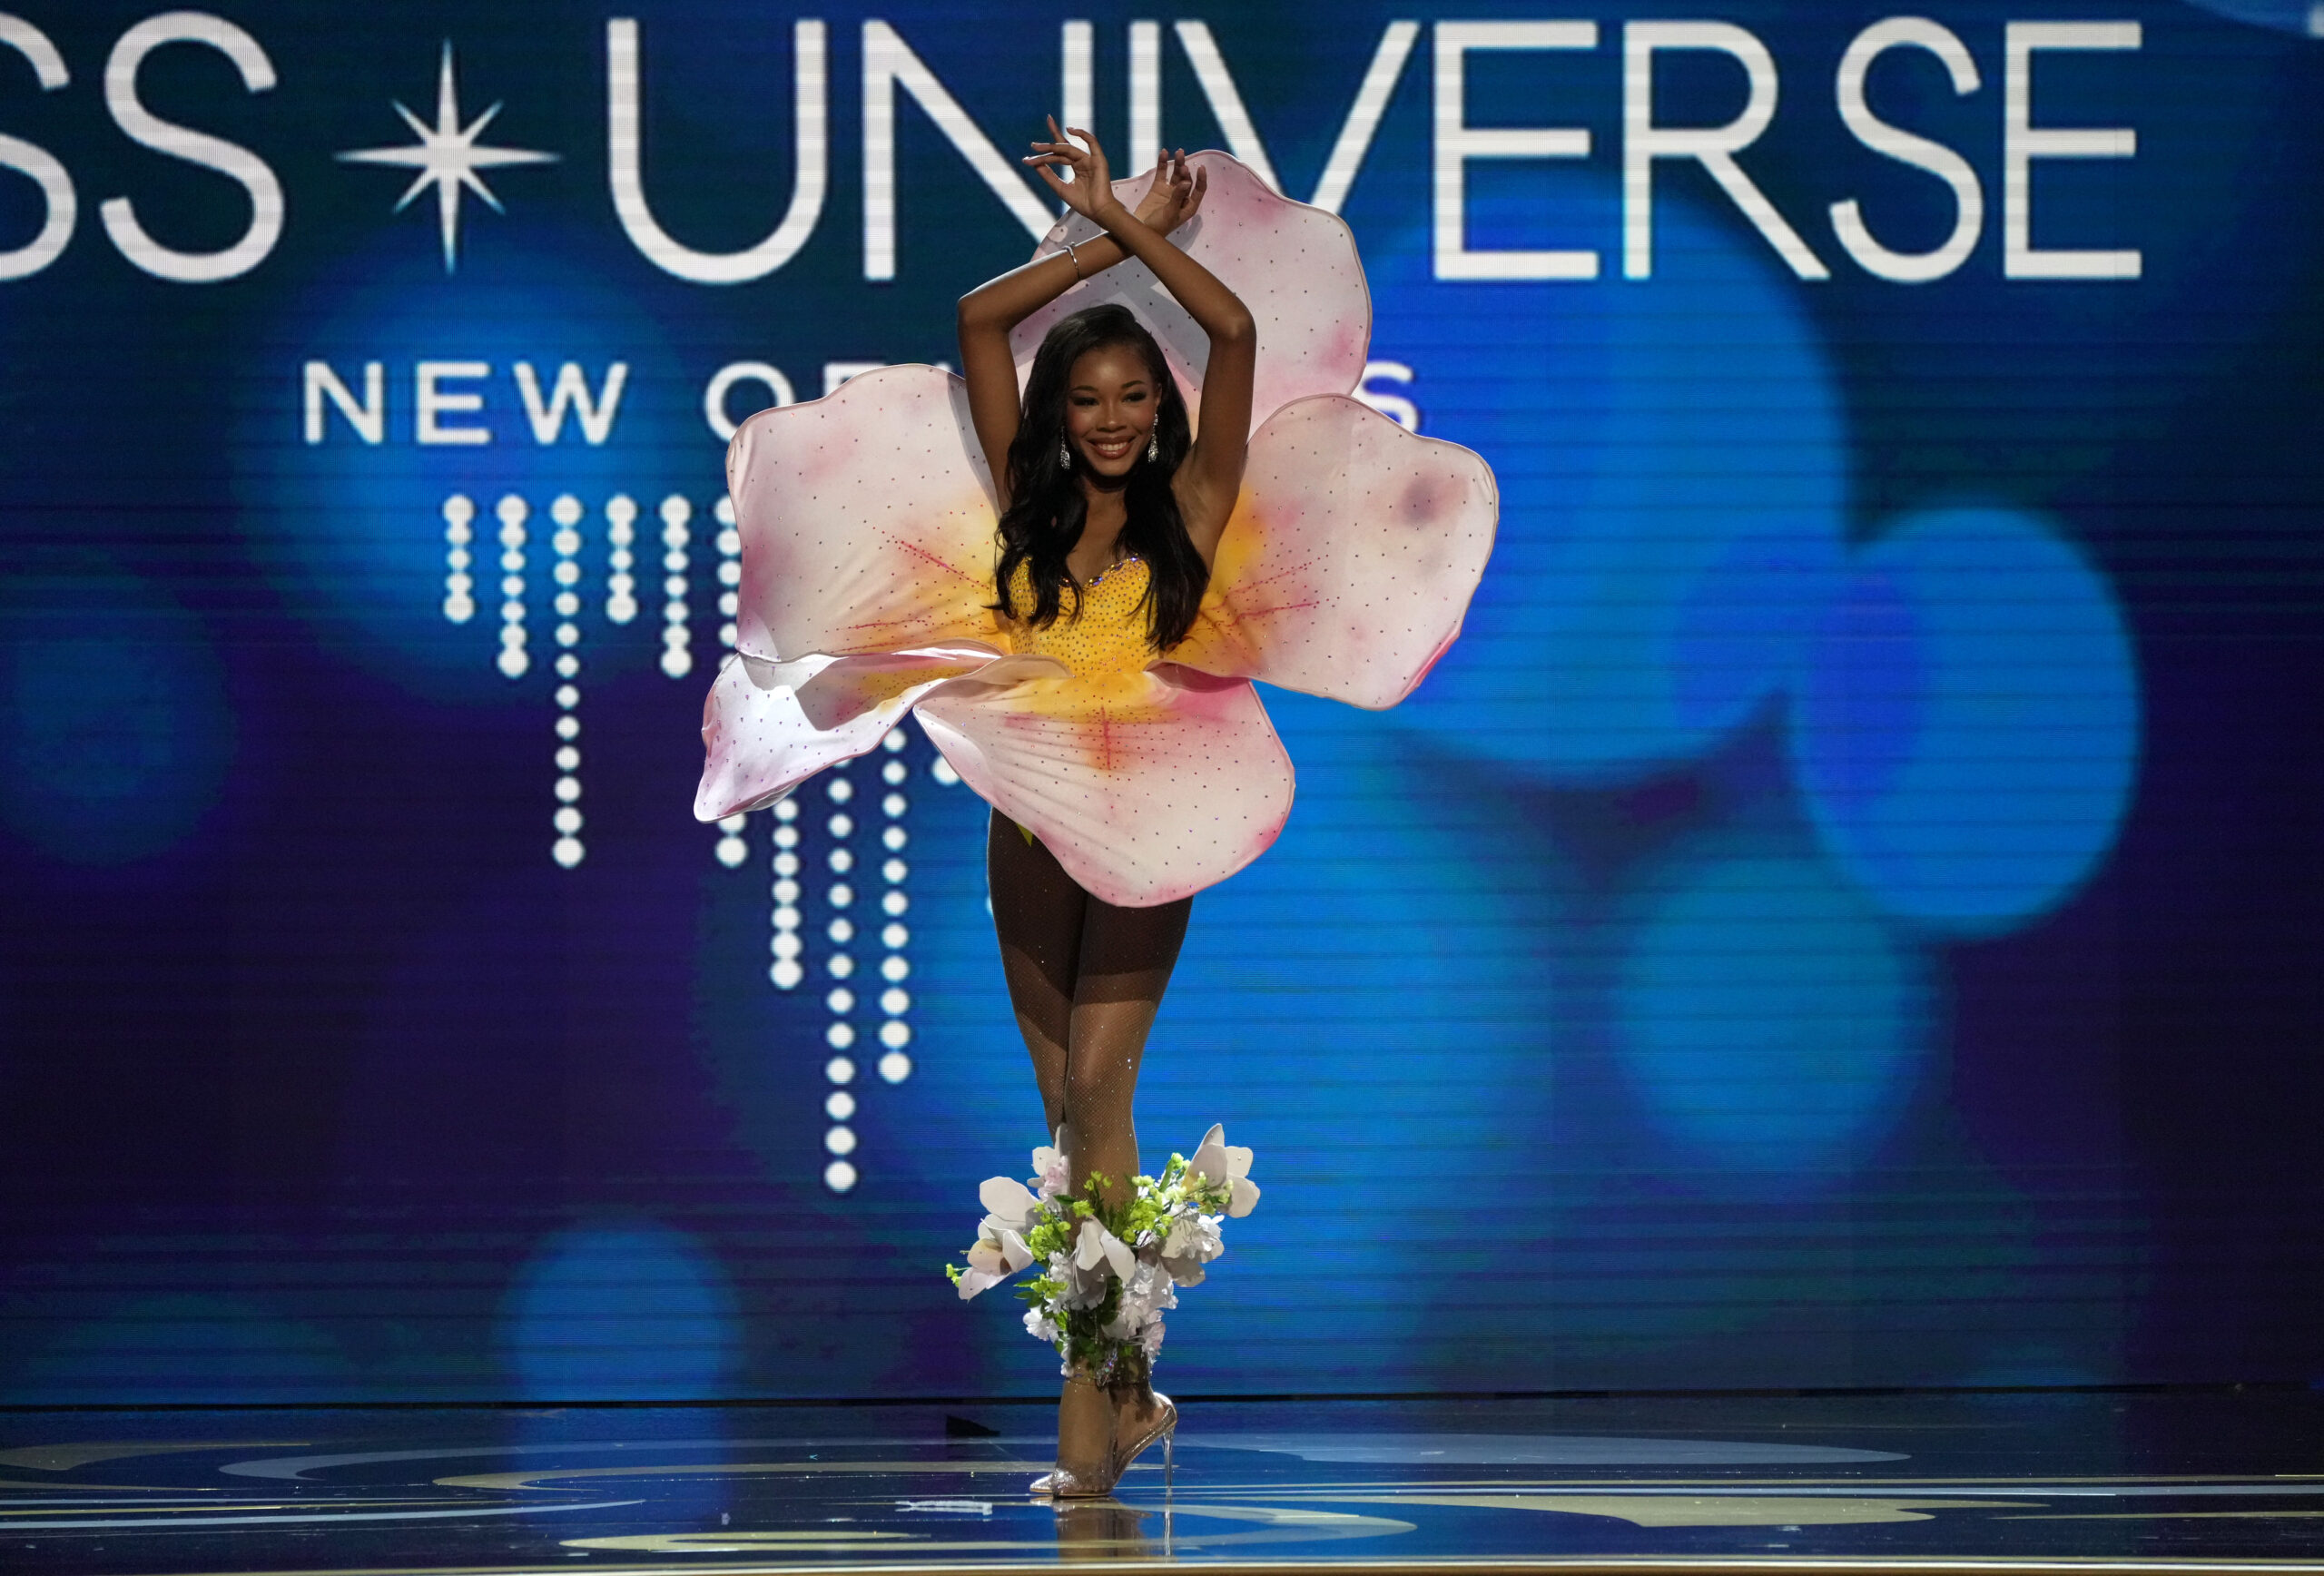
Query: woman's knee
{"x":1093,"y":1104}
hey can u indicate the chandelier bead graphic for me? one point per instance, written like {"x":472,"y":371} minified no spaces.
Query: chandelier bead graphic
{"x":512,"y":513}
{"x":565,"y":515}
{"x":621,"y":535}
{"x":786,"y":971}
{"x":860,"y":875}
{"x":678,"y":638}
{"x":730,"y":572}
{"x":460,"y":515}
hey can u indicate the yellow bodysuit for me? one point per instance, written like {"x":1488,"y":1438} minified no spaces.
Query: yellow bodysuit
{"x":1109,"y":638}
{"x":1107,"y":641}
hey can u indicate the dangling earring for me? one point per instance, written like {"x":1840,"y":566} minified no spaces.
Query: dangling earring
{"x":1153,"y":444}
{"x":1064,"y":454}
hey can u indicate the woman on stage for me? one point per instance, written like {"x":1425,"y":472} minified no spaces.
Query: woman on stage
{"x":1072,"y":589}
{"x":1110,"y":517}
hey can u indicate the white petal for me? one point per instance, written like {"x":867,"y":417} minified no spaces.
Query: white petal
{"x":1243,"y":1197}
{"x":768,"y":726}
{"x":1089,"y":1246}
{"x":1009,"y":1201}
{"x":1186,"y":1272}
{"x":973,"y":1280}
{"x":1239,"y":1160}
{"x":1209,"y":1159}
{"x":1013,"y":1251}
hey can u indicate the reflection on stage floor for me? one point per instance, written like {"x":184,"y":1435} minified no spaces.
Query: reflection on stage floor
{"x":2117,"y":1479}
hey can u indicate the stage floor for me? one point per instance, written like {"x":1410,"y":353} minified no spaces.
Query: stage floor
{"x":2105,"y":1481}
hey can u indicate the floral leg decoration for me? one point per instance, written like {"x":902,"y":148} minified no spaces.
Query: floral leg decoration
{"x":1107,"y":1273}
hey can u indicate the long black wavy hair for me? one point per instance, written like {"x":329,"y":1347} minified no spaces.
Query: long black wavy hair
{"x":1046,"y":507}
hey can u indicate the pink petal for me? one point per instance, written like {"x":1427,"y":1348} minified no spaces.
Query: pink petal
{"x":1148,"y":787}
{"x":1350,"y":558}
{"x":1293,"y":266}
{"x":866,"y":519}
{"x":768,"y":726}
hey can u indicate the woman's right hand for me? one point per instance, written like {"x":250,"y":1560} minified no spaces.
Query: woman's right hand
{"x":1090,"y":192}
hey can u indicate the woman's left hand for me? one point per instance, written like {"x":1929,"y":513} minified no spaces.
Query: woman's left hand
{"x":1090,"y":192}
{"x":1174,"y":196}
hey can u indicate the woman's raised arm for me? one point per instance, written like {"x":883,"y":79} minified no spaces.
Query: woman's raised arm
{"x":1213,"y":471}
{"x":990,"y":311}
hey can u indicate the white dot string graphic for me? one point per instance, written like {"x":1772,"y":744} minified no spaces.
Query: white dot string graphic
{"x":565,"y":515}
{"x":786,"y":971}
{"x":512,"y":511}
{"x":678,"y":655}
{"x":730,"y":571}
{"x":895,"y":1001}
{"x":621,"y":534}
{"x":842,"y":858}
{"x":459,"y":513}
{"x":840,"y":1001}
{"x":840,"y":1175}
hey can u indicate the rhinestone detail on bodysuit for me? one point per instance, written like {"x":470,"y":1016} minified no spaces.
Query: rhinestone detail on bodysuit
{"x":1108,"y":637}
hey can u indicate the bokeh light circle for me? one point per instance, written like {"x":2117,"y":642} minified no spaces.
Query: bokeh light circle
{"x":634,"y":1309}
{"x":116,"y":728}
{"x":354,"y":533}
{"x":1966,"y":729}
{"x":1768,"y":1019}
{"x":2298,"y":16}
{"x":1673,"y":475}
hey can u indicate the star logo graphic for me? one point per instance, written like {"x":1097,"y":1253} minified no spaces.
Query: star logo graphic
{"x":448,"y":158}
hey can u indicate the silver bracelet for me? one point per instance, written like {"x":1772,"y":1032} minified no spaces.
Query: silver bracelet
{"x":1074,"y":258}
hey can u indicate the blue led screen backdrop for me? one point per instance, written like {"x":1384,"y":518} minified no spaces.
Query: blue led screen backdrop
{"x":1846,"y":912}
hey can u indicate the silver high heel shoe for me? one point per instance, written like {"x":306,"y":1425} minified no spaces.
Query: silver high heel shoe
{"x":1165,"y":1427}
{"x":1095,"y":1481}
{"x":1065,"y":1484}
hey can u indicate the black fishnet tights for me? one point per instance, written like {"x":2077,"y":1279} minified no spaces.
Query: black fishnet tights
{"x":1086,"y":979}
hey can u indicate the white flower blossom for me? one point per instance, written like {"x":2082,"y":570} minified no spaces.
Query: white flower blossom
{"x":1096,"y":1243}
{"x":1009,"y":1203}
{"x":1183,"y":1213}
{"x":1080,"y":1288}
{"x":1222,"y":1165}
{"x":1146,"y":1294}
{"x":1098,"y":1258}
{"x":999,"y":1253}
{"x":1052,"y":1177}
{"x":1193,"y":1242}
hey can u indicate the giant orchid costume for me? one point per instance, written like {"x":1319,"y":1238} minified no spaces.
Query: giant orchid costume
{"x":869,"y":543}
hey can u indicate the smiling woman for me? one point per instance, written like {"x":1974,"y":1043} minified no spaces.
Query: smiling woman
{"x":1077,"y":624}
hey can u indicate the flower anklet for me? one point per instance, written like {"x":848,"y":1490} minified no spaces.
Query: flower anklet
{"x":1107,"y":1272}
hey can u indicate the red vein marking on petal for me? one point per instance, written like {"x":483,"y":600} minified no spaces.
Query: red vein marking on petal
{"x":1301,"y":567}
{"x":896,"y":623}
{"x":1278,"y":608}
{"x":920,"y":552}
